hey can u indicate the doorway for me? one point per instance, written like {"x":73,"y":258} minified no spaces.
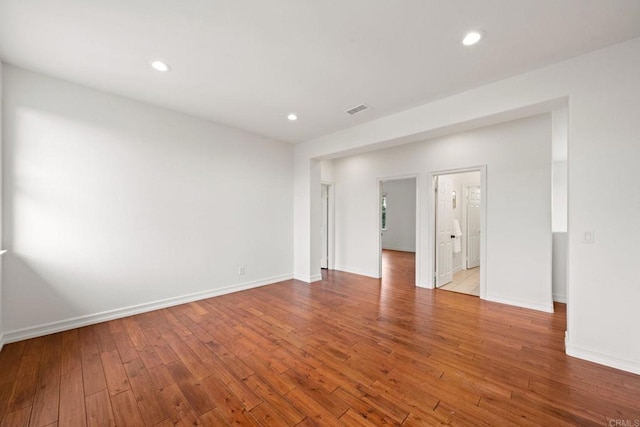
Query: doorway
{"x":474,"y":200}
{"x":398,"y":218}
{"x":458,"y":214}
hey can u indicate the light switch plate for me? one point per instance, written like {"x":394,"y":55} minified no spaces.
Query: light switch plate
{"x":589,"y":237}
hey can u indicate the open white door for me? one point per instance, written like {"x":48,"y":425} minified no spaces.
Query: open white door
{"x":444,"y":229}
{"x":473,"y":227}
{"x":324,"y":229}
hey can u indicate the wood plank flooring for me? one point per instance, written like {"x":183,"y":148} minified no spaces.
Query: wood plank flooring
{"x":345,"y":351}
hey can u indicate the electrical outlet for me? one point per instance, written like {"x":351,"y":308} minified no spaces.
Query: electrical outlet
{"x":241,"y":270}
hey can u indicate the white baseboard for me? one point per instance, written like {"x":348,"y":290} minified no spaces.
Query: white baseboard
{"x":424,"y":285}
{"x":632,"y":366}
{"x":357,"y":271}
{"x":560,"y":298}
{"x":90,"y":319}
{"x":302,"y":277}
{"x":1,"y":341}
{"x":307,"y":279}
{"x":458,"y":268}
{"x":523,"y":304}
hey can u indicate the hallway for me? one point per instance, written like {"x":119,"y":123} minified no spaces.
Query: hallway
{"x":398,"y":267}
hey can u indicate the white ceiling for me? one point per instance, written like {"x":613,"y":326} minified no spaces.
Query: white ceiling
{"x":248,"y":63}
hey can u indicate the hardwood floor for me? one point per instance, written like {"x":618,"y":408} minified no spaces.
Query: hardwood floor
{"x":398,"y":267}
{"x":345,"y":351}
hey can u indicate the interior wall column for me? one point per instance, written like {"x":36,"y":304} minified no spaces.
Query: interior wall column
{"x":307,"y":220}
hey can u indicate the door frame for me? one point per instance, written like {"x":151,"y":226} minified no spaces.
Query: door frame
{"x":331,"y":241}
{"x":379,"y":220}
{"x":432,"y":241}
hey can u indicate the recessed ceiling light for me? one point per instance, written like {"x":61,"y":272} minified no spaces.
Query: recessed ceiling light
{"x":160,"y":66}
{"x":292,"y":117}
{"x":472,"y":38}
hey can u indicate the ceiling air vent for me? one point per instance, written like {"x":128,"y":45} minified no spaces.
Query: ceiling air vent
{"x":357,"y":109}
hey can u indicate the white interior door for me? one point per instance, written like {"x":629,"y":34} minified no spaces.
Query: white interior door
{"x":473,"y":227}
{"x":324,"y":228}
{"x":444,"y":229}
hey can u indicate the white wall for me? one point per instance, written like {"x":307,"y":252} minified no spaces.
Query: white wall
{"x":559,"y":226}
{"x":518,"y":159}
{"x":460,"y":183}
{"x":1,"y":145}
{"x":111,"y":205}
{"x":559,"y":170}
{"x":601,"y":90}
{"x":559,"y":269}
{"x":560,"y":194}
{"x":326,"y":171}
{"x":400,"y":234}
